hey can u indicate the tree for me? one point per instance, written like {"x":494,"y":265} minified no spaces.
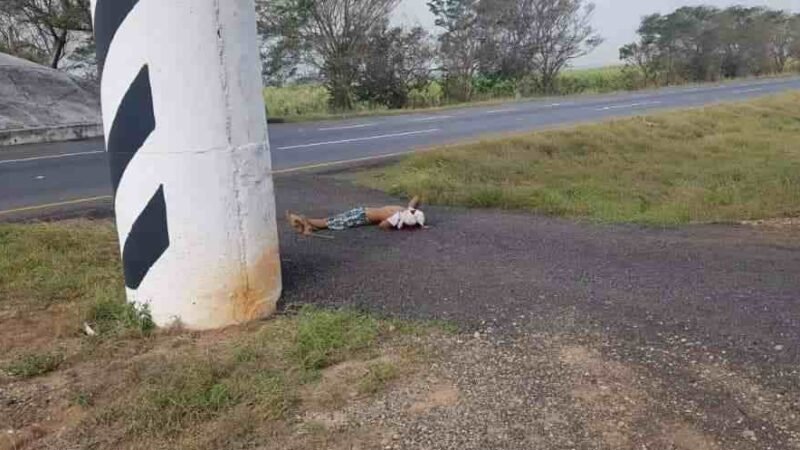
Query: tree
{"x":555,"y":33}
{"x":282,"y":48}
{"x":460,"y":44}
{"x":332,"y":35}
{"x":512,"y":39}
{"x":45,"y":31}
{"x":704,"y":43}
{"x":794,"y":37}
{"x":781,"y":37}
{"x":396,"y":62}
{"x":643,"y":56}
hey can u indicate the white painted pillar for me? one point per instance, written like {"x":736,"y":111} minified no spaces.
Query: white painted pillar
{"x":186,"y":132}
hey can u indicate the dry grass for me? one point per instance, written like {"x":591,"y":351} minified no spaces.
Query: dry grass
{"x":132,"y":386}
{"x":715,"y":164}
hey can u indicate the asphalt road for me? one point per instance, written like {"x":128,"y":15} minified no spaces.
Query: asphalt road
{"x":36,"y":177}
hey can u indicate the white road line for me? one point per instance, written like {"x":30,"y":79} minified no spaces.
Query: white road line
{"x":348,"y":127}
{"x":630,"y":105}
{"x":39,"y":158}
{"x":430,"y":119}
{"x":366,"y":138}
{"x":498,"y":111}
{"x":745,"y":91}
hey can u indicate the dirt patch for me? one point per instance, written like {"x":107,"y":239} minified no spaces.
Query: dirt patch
{"x":681,"y":436}
{"x":339,"y":386}
{"x":440,"y":396}
{"x":27,"y":332}
{"x":608,"y":391}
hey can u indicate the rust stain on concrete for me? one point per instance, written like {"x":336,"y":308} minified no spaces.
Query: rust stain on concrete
{"x":256,"y":289}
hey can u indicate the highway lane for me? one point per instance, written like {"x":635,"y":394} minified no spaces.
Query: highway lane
{"x":36,"y":175}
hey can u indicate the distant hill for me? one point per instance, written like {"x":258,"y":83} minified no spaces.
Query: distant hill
{"x":34,"y":96}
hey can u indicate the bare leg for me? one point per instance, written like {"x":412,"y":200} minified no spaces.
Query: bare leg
{"x":318,"y":224}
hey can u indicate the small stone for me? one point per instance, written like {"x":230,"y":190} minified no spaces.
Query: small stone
{"x":778,"y":348}
{"x":477,"y":335}
{"x":749,"y":434}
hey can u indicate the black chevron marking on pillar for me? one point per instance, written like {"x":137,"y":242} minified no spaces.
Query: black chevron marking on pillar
{"x":134,"y":122}
{"x":108,"y":17}
{"x":147,"y":241}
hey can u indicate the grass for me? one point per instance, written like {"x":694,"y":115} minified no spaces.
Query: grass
{"x":595,"y":81}
{"x":715,"y":164}
{"x":138,"y":387}
{"x":265,"y":373}
{"x":45,"y":264}
{"x":378,"y":375}
{"x":33,"y":365}
{"x":326,"y":337}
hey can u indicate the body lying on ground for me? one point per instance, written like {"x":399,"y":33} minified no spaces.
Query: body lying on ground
{"x":390,"y":217}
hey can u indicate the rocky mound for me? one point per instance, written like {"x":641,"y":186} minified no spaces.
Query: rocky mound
{"x":34,"y":96}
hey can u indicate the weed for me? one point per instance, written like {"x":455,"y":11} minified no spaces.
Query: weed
{"x":82,"y":399}
{"x":34,"y":365}
{"x":378,"y":375}
{"x":112,"y":314}
{"x":324,"y":337}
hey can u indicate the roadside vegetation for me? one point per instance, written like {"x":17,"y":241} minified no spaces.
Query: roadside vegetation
{"x":716,"y":164}
{"x":311,"y":101}
{"x":484,"y":51}
{"x":125,"y":384}
{"x":335,"y":58}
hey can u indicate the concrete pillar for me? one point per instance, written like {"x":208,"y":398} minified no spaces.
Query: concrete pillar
{"x":186,"y":133}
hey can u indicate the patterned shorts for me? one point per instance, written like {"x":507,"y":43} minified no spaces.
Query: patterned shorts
{"x":350,"y":219}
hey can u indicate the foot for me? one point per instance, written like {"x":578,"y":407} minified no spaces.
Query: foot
{"x":299,"y":223}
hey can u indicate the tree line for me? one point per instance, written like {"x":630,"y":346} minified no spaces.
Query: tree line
{"x":359,"y":56}
{"x":707,"y":44}
{"x":514,"y":47}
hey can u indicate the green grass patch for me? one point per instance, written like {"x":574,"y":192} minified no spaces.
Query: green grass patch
{"x":114,"y":315}
{"x":73,"y":265}
{"x":33,"y":365}
{"x":715,"y":164}
{"x":46,"y":264}
{"x":325,"y":338}
{"x":378,"y":375}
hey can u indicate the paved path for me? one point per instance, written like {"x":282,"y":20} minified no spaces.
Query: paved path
{"x":730,"y":291}
{"x":76,"y":173}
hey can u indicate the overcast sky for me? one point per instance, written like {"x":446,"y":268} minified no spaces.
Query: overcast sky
{"x":616,"y":20}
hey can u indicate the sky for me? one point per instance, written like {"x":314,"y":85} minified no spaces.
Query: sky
{"x":616,"y":20}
